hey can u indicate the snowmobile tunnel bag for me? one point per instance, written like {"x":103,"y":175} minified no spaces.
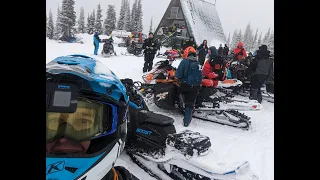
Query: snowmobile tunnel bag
{"x":153,"y":118}
{"x":165,"y":95}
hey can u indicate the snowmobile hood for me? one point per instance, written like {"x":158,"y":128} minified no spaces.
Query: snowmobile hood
{"x":100,"y":77}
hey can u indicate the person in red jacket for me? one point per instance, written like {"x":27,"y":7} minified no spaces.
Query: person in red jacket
{"x":214,"y":67}
{"x":239,"y":52}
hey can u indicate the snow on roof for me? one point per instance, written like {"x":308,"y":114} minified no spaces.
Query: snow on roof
{"x":203,"y":21}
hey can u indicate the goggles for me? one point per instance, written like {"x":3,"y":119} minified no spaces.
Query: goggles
{"x":91,"y":119}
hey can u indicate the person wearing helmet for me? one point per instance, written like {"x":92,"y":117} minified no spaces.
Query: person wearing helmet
{"x":188,"y":43}
{"x":202,"y":51}
{"x":86,"y":120}
{"x":215,"y":66}
{"x":190,"y":75}
{"x":96,"y":41}
{"x":220,"y":50}
{"x":261,"y":68}
{"x":150,"y":49}
{"x":239,"y":52}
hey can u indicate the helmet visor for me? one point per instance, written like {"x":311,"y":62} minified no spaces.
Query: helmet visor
{"x":90,"y":119}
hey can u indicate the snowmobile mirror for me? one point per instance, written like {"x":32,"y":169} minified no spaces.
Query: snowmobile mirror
{"x":61,"y":97}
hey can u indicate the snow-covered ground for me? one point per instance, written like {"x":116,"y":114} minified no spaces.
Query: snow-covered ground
{"x":228,"y":144}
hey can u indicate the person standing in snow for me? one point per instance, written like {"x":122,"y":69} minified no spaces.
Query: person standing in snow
{"x":202,"y":52}
{"x":188,"y":43}
{"x":215,"y":66}
{"x":239,"y":52}
{"x":220,"y":50}
{"x":96,"y":41}
{"x":150,"y":49}
{"x":190,"y":75}
{"x":225,"y":51}
{"x":261,"y":68}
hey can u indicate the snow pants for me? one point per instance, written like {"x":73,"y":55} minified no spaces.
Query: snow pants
{"x":257,"y":81}
{"x":148,"y":62}
{"x":96,"y":48}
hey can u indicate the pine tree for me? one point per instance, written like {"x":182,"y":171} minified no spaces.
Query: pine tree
{"x":139,"y":17}
{"x":58,"y":30}
{"x":88,"y":24}
{"x":50,"y":29}
{"x":127,"y":22}
{"x":46,"y":24}
{"x":68,"y":17}
{"x":259,"y":40}
{"x":247,"y":38}
{"x":228,"y":41}
{"x":110,"y":21}
{"x":270,"y":43}
{"x":266,"y":37}
{"x":91,"y":20}
{"x":98,"y":22}
{"x":234,"y":41}
{"x":238,"y":38}
{"x":134,"y":16}
{"x":150,"y":29}
{"x":120,"y":24}
{"x":81,"y":25}
{"x":254,"y":41}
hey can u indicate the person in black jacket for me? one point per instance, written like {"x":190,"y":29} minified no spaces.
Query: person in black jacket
{"x":188,"y":43}
{"x":220,"y":50}
{"x":225,"y":51}
{"x":150,"y":49}
{"x":202,"y":52}
{"x":260,"y":68}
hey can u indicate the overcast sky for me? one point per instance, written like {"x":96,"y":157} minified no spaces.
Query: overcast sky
{"x":233,"y":14}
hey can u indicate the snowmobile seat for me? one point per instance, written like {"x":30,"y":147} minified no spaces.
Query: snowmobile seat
{"x":153,"y":118}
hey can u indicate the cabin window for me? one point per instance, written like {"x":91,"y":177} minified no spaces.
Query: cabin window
{"x":174,"y":12}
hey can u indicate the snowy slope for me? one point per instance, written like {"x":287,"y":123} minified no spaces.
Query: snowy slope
{"x":229,"y":145}
{"x":204,"y":21}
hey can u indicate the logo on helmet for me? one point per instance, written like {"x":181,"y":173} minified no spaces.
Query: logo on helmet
{"x":55,"y":167}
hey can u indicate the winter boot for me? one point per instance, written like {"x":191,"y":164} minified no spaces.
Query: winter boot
{"x":259,"y":96}
{"x":187,"y":116}
{"x":253,"y":94}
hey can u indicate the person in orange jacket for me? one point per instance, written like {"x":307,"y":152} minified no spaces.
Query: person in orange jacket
{"x":239,"y":52}
{"x":214,"y":67}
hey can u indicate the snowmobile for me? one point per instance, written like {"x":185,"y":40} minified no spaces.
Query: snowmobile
{"x":108,"y":48}
{"x":241,"y":72}
{"x":169,"y":54}
{"x":155,"y":146}
{"x":163,"y":70}
{"x":134,"y":49}
{"x":66,"y":39}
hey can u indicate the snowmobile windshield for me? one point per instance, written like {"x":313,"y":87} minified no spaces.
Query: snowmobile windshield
{"x":92,"y":119}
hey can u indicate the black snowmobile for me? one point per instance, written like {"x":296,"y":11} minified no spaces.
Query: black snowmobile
{"x":108,"y":48}
{"x":134,"y":49}
{"x":155,"y":146}
{"x":242,"y":72}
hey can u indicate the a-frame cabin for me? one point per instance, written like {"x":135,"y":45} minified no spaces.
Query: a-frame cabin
{"x":184,"y":18}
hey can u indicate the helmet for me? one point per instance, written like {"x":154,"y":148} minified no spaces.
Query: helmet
{"x":87,"y":105}
{"x":189,"y":51}
{"x":213,"y":51}
{"x":240,"y":44}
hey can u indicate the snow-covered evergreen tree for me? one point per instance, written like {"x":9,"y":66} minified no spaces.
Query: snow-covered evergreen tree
{"x":234,"y":41}
{"x":270,"y":43}
{"x":228,"y":41}
{"x":127,"y":19}
{"x":134,"y":18}
{"x":150,"y":29}
{"x":81,"y":23}
{"x":254,"y":41}
{"x":46,"y":24}
{"x":120,"y":24}
{"x":68,"y":17}
{"x":238,"y":38}
{"x":91,"y":22}
{"x":57,"y":29}
{"x":266,"y":37}
{"x":98,"y":21}
{"x":110,"y":21}
{"x":247,"y":37}
{"x":50,"y":29}
{"x":259,"y":41}
{"x":139,"y":17}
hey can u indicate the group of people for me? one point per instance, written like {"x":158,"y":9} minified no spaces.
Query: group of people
{"x":191,"y":70}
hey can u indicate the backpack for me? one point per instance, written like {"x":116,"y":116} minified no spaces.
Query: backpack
{"x":194,"y":73}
